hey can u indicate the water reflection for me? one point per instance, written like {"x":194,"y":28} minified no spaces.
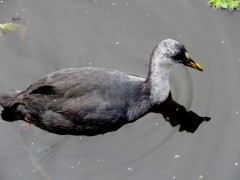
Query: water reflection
{"x":42,"y":156}
{"x":176,"y":114}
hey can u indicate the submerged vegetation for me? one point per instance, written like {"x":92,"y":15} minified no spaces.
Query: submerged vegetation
{"x":225,"y":4}
{"x":15,"y":24}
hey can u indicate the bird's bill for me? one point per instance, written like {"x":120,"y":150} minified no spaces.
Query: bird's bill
{"x":191,"y":63}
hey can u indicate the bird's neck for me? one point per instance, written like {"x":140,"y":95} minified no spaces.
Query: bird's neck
{"x":158,"y":80}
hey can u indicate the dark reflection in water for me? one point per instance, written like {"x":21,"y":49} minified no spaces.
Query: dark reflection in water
{"x":176,"y":114}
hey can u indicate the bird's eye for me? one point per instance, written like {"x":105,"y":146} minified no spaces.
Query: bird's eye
{"x":180,"y":56}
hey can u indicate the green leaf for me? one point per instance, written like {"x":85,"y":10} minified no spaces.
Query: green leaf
{"x":224,"y":5}
{"x":228,"y":4}
{"x":218,"y":5}
{"x":212,"y":1}
{"x":232,"y":5}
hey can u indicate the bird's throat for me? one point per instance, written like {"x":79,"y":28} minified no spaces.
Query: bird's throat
{"x":158,"y":80}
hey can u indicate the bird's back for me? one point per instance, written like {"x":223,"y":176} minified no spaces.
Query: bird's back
{"x":85,"y":98}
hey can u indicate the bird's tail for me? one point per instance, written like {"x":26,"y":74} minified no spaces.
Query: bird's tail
{"x":9,"y":102}
{"x":9,"y":98}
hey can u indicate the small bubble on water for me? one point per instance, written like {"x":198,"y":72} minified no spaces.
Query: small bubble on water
{"x":200,"y":177}
{"x":117,"y":43}
{"x":101,"y":160}
{"x":20,"y":173}
{"x":156,"y":124}
{"x":89,"y":63}
{"x":237,"y":112}
{"x":113,"y":3}
{"x":72,"y":167}
{"x":80,"y":138}
{"x":174,"y":177}
{"x":147,"y":15}
{"x":236,"y":164}
{"x":126,"y":3}
{"x":239,"y":60}
{"x":34,"y":170}
{"x":1,"y":1}
{"x":78,"y":163}
{"x":179,"y":36}
{"x":222,"y":42}
{"x":177,"y":156}
{"x":129,"y":168}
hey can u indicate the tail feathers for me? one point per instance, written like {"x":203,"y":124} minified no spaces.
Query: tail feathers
{"x":10,"y":114}
{"x":8,"y":99}
{"x":9,"y":102}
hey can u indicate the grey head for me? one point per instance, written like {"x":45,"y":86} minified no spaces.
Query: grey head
{"x":170,"y":52}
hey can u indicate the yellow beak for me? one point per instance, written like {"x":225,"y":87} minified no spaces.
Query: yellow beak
{"x":191,"y":63}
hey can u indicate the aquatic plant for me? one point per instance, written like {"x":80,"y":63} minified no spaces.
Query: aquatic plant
{"x":225,"y":4}
{"x":15,"y":24}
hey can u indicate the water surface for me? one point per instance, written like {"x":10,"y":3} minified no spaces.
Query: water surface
{"x":121,"y":35}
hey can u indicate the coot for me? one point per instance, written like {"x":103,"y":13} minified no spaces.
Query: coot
{"x":91,"y":101}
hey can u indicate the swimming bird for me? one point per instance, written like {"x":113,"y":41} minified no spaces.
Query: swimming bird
{"x":90,"y":100}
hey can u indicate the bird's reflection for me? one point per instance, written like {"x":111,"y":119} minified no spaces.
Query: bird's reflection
{"x":176,"y":114}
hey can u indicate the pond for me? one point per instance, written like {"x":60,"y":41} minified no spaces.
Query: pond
{"x":120,"y":35}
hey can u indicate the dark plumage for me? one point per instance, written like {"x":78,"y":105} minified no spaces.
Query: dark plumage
{"x":91,"y":101}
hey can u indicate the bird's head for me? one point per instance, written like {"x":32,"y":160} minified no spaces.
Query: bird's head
{"x":171,"y":52}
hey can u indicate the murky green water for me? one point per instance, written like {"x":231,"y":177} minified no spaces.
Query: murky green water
{"x":121,"y":35}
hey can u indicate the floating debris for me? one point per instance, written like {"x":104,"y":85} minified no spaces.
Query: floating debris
{"x":15,"y":24}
